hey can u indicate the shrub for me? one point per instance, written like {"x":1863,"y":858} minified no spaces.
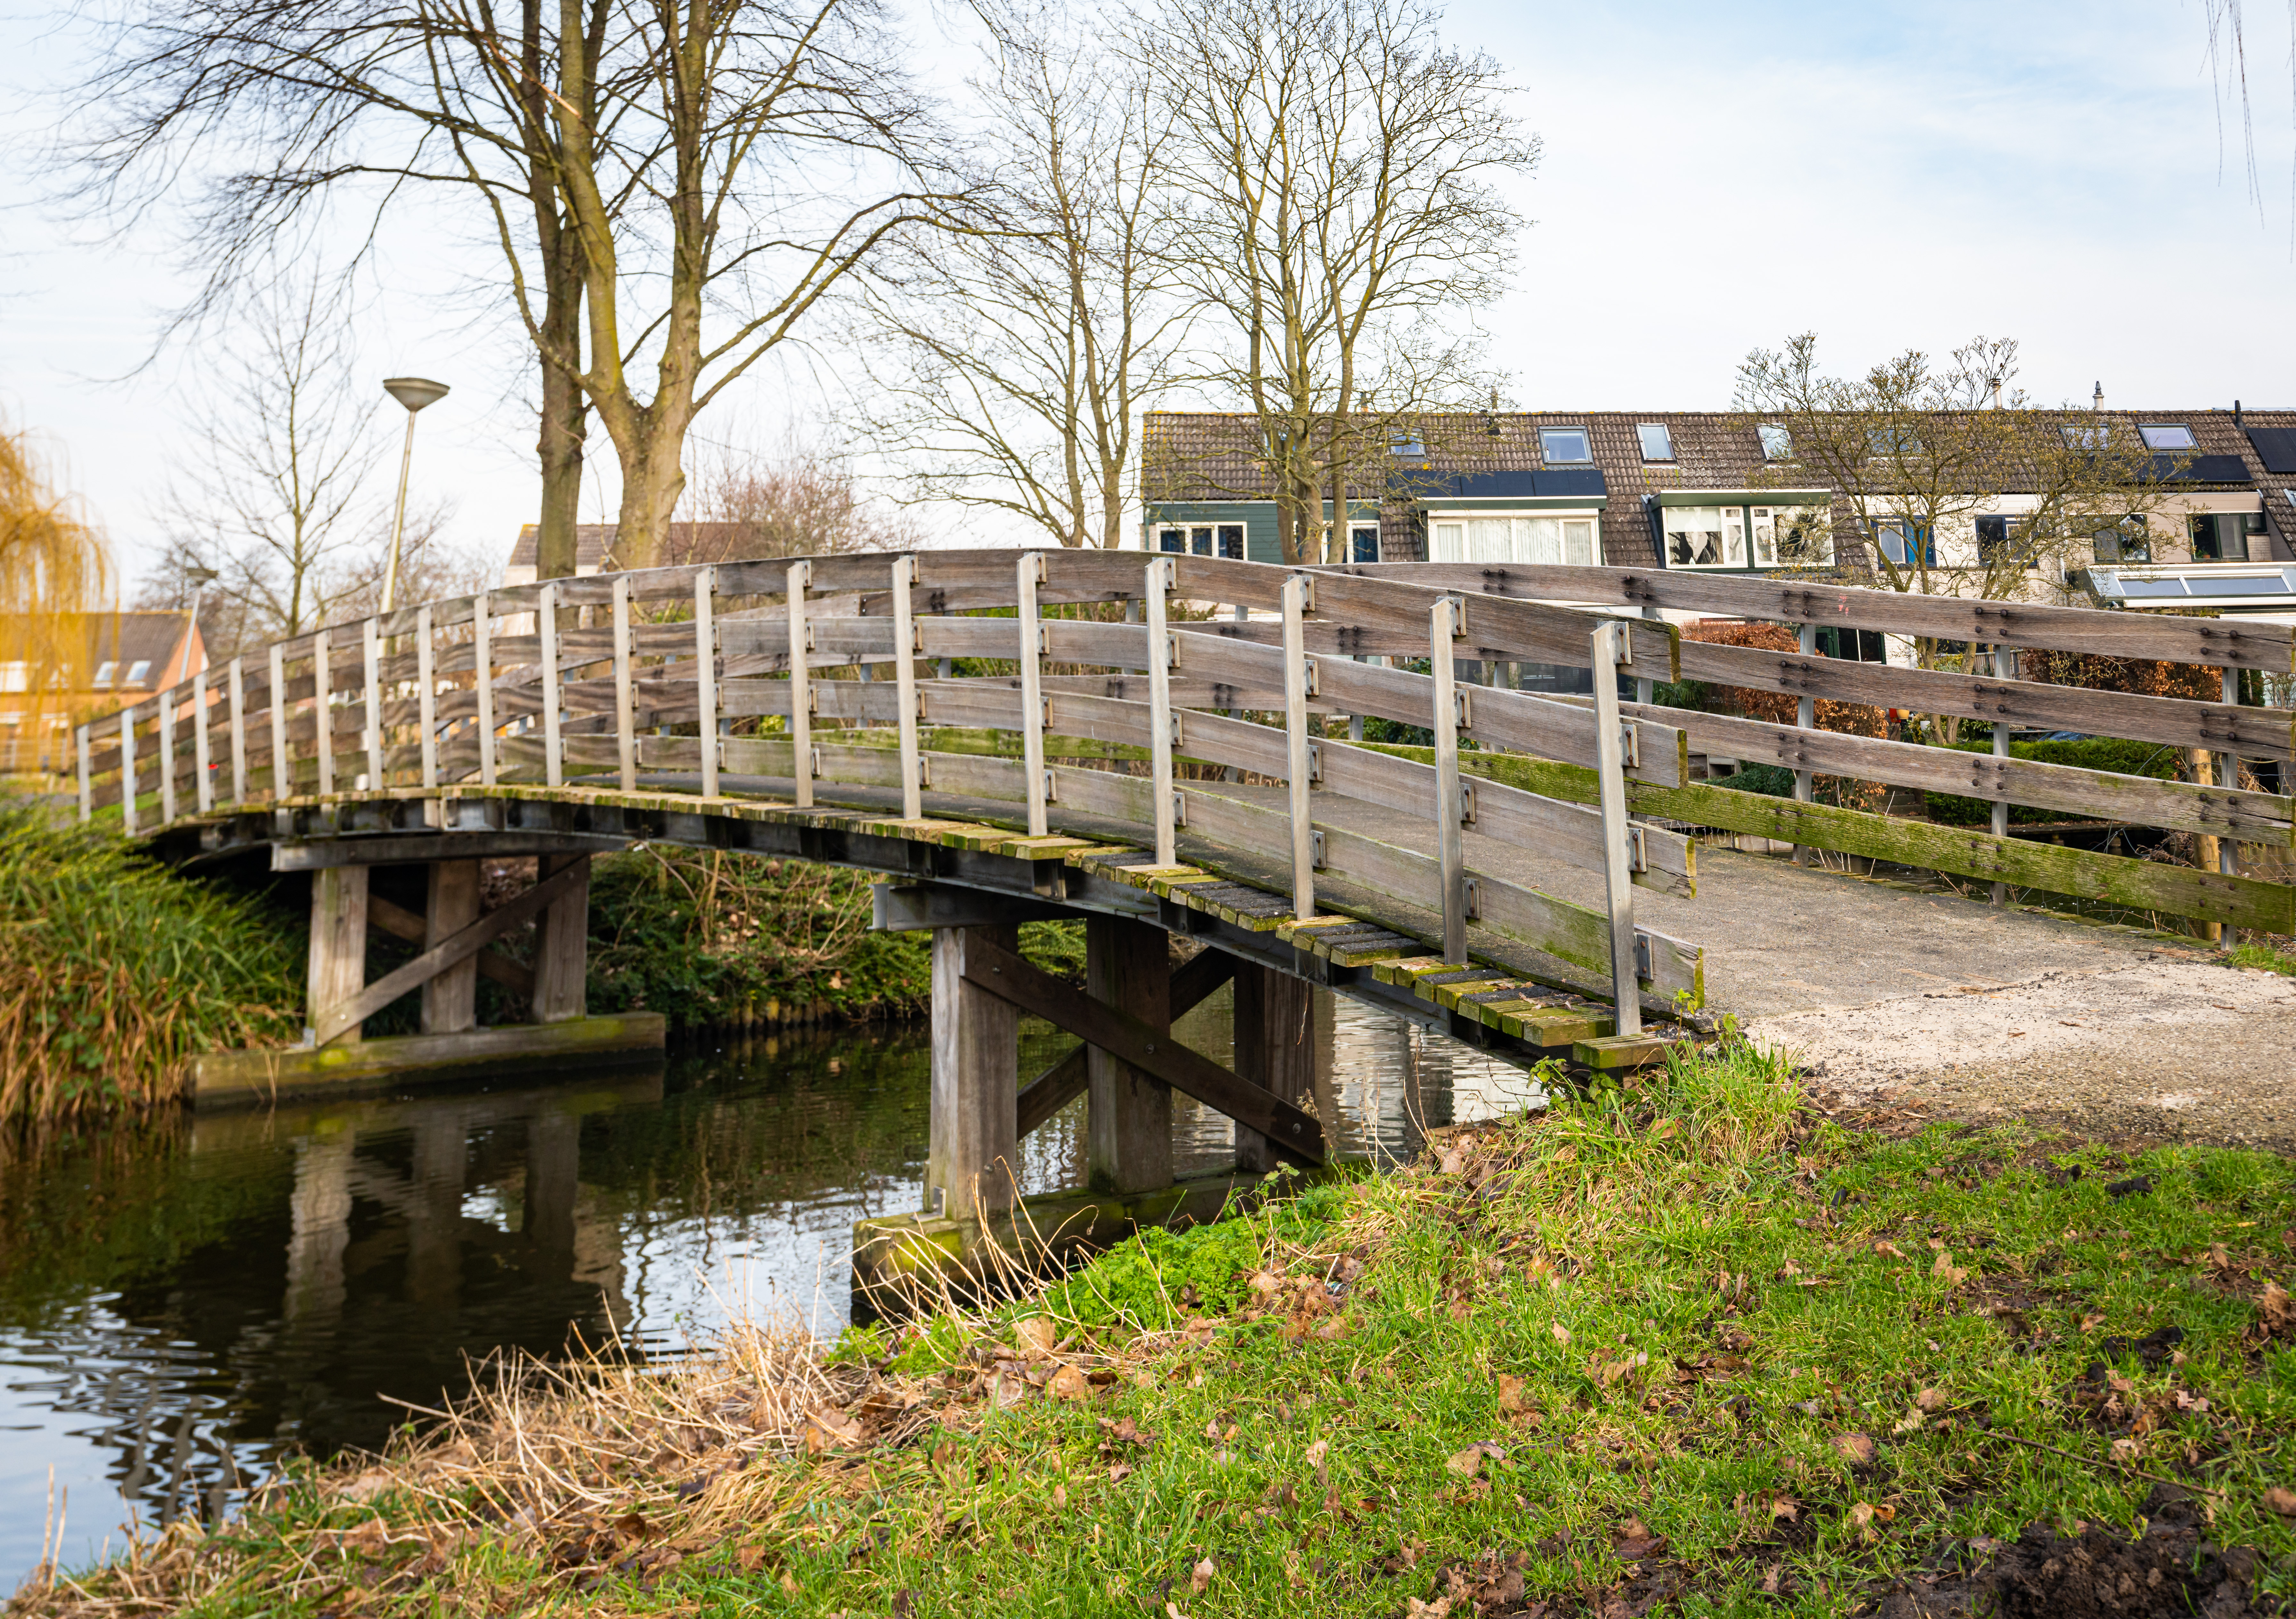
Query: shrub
{"x":2088,"y":753}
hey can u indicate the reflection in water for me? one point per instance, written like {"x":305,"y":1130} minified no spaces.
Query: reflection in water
{"x":181,"y":1306}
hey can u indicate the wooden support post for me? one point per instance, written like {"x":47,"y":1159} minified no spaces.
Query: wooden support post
{"x":1805,"y":717}
{"x":1274,"y":1049}
{"x":2228,"y":849}
{"x":626,"y":717}
{"x":166,"y":756}
{"x":282,"y":780}
{"x":2005,"y":667}
{"x":482,"y":670}
{"x":323,"y":708}
{"x":1161,"y":729}
{"x":1128,"y":1117}
{"x":553,"y":755}
{"x":905,"y":688}
{"x":561,"y":945}
{"x":1032,"y":692}
{"x":238,"y":687}
{"x":1610,"y":649}
{"x":1645,"y":687}
{"x":202,"y":759}
{"x":337,"y":971}
{"x":1444,"y":623}
{"x":128,"y":768}
{"x":705,"y":674}
{"x":1296,"y":592}
{"x":450,"y":998}
{"x":800,"y":639}
{"x":2208,"y":850}
{"x":426,"y":697}
{"x":86,"y":777}
{"x":370,"y":656}
{"x":973,"y":1157}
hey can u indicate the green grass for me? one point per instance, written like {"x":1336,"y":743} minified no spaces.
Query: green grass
{"x":2264,"y":956}
{"x":1802,"y":1357}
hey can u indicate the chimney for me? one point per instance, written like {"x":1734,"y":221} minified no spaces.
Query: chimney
{"x":2236,"y":412}
{"x":1997,"y":391}
{"x":2096,"y":399}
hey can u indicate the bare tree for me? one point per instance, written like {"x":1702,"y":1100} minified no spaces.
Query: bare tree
{"x":1338,"y":211}
{"x":701,"y":175}
{"x":1007,"y":370}
{"x":797,"y":499}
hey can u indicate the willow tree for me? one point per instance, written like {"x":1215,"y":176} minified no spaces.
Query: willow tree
{"x":671,"y":189}
{"x":54,"y":571}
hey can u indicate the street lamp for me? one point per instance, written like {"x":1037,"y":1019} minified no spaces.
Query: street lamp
{"x":414,"y":392}
{"x":201,"y":579}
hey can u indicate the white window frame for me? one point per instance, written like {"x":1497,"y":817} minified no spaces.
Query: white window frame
{"x":1522,"y":541}
{"x":1749,"y":536}
{"x":1584,"y":437}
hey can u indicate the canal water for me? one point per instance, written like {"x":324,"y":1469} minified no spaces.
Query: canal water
{"x":183,"y":1303}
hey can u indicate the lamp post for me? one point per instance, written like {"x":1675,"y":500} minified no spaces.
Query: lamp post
{"x":201,"y":578}
{"x":414,"y":392}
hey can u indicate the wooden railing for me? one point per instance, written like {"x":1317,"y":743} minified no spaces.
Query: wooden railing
{"x":2214,"y":735}
{"x":627,"y":680}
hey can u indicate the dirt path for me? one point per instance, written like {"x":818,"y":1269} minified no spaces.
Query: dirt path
{"x":2169,"y":1046}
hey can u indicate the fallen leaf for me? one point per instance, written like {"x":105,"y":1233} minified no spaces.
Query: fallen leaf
{"x":1061,"y":1497}
{"x":1562,"y":1332}
{"x":1951,"y":1274}
{"x":631,"y":1527}
{"x":2276,"y":1310}
{"x":1930,"y":1399}
{"x":1860,"y":1517}
{"x":1315,"y":1454}
{"x":1117,"y":1474}
{"x":830,"y":1429}
{"x":1891,"y":1248}
{"x":790,"y":1585}
{"x":1172,"y":1610}
{"x":1201,"y":1577}
{"x":1854,"y":1447}
{"x":1336,"y":1328}
{"x":2127,"y":1450}
{"x":1511,"y":1400}
{"x":1785,"y":1506}
{"x":1910,"y":1422}
{"x":1070,"y":1384}
{"x":750,"y":1557}
{"x":1469,"y":1462}
{"x":2280,"y":1500}
{"x":1632,"y":1541}
{"x":1440,"y":1608}
{"x":1036,"y":1336}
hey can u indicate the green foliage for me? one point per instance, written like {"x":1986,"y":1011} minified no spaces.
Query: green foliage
{"x":114,"y":971}
{"x":2261,"y":956}
{"x":2089,"y":753}
{"x":1771,"y":781}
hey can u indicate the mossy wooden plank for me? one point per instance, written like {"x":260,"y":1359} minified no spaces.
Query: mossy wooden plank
{"x":1621,"y":1052}
{"x":2110,"y":879}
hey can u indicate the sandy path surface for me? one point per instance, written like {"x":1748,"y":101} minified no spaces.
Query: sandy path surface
{"x":2165,"y":1048}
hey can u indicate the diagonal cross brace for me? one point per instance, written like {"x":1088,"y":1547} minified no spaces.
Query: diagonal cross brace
{"x":338,"y":1020}
{"x":1065,"y":1080}
{"x":1152,"y":1051}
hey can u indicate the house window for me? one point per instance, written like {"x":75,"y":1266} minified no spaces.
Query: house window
{"x":1893,"y":441}
{"x":1202,"y":539}
{"x":2127,"y":541}
{"x":1506,"y":538}
{"x":1658,"y":444}
{"x":103,"y":672}
{"x":1171,"y":539}
{"x":1994,"y":542}
{"x":1562,"y":446}
{"x":138,"y":672}
{"x":2166,"y":437}
{"x":1906,"y":543}
{"x":1777,"y":443}
{"x":1363,"y":542}
{"x":1231,"y":541}
{"x":15,"y":677}
{"x":2219,"y":536}
{"x":1406,"y":442}
{"x":2087,"y":437}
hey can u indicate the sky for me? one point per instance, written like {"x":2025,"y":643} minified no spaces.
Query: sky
{"x":2063,"y":172}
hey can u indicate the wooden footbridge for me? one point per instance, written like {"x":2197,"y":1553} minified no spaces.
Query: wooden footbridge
{"x":1097,"y":761}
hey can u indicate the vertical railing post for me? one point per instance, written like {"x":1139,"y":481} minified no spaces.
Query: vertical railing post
{"x":1032,"y":690}
{"x":1806,"y":718}
{"x":482,"y":668}
{"x":626,"y":719}
{"x":1161,"y":739}
{"x":202,"y":759}
{"x":238,"y":686}
{"x":1296,"y":590}
{"x":705,"y":673}
{"x":2227,"y":850}
{"x":905,"y":688}
{"x":554,"y":757}
{"x":86,"y":777}
{"x":283,"y":779}
{"x":800,"y":639}
{"x":426,"y":697}
{"x":167,"y":699}
{"x":128,"y":768}
{"x":1443,"y":628}
{"x":1610,"y":649}
{"x":371,"y":661}
{"x":322,"y":699}
{"x":2004,"y":664}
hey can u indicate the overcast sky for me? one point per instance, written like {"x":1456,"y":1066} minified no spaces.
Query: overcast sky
{"x":1715,"y":177}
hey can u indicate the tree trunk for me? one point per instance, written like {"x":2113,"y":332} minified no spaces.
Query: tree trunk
{"x":564,"y":414}
{"x":652,"y":479}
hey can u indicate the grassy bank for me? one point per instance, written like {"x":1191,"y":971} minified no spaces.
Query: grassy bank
{"x":1689,"y":1345}
{"x":115,"y":972}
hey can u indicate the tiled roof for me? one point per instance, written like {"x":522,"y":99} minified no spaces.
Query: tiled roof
{"x":123,"y":639}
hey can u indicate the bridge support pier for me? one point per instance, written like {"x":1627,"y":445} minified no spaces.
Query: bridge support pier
{"x":450,"y":1001}
{"x":336,"y":968}
{"x":1274,"y":1049}
{"x":1128,"y":1114}
{"x":972,"y":1159}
